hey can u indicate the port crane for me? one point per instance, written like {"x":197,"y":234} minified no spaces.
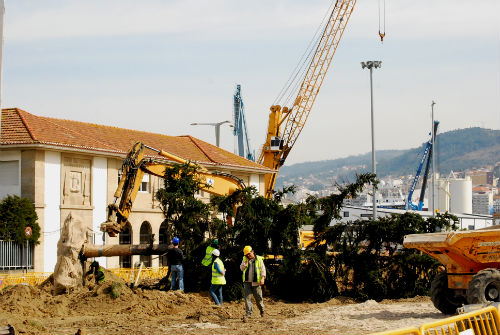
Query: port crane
{"x":427,"y":153}
{"x":286,"y":123}
{"x":242,"y":146}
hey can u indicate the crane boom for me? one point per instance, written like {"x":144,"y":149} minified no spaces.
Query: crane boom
{"x":242,"y":148}
{"x":279,"y":141}
{"x":427,"y":154}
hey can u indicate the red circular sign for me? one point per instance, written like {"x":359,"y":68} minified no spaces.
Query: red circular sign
{"x":28,"y":231}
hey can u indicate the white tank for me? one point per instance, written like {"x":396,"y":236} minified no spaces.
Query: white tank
{"x":442,"y":194}
{"x":461,"y":195}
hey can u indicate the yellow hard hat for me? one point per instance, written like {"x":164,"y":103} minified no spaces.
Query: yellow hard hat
{"x":247,"y":249}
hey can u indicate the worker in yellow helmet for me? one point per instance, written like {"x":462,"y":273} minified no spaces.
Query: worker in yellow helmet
{"x":254,"y":275}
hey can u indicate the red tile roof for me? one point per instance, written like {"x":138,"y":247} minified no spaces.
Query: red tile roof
{"x":22,"y":128}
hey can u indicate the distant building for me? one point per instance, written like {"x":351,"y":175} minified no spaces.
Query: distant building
{"x":67,"y":166}
{"x":496,"y":204}
{"x":481,"y":177}
{"x":482,"y":200}
{"x":465,"y":221}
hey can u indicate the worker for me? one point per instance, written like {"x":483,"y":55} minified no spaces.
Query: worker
{"x":98,"y":272}
{"x":175,"y":257}
{"x":254,"y":275}
{"x":218,"y":277}
{"x":207,"y":260}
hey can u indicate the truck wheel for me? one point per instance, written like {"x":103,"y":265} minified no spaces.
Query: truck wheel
{"x":484,"y":287}
{"x":444,"y":298}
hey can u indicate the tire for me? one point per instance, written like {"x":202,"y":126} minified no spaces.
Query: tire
{"x":444,"y":298}
{"x":484,"y":287}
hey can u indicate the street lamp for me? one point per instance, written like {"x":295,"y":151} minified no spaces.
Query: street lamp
{"x":433,"y":136}
{"x":217,"y":128}
{"x":371,"y":65}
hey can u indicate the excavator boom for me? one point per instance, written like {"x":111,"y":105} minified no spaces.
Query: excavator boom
{"x":135,"y":165}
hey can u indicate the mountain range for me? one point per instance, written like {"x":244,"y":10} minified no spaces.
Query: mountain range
{"x":456,"y":150}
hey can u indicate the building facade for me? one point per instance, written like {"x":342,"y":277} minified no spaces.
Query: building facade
{"x":66,"y":166}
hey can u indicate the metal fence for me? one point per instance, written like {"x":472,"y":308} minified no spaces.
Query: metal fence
{"x":15,"y":256}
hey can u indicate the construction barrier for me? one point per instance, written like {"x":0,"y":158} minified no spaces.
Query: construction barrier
{"x":484,"y":321}
{"x":36,"y":278}
{"x":130,"y":275}
{"x":402,"y":331}
{"x":30,"y":278}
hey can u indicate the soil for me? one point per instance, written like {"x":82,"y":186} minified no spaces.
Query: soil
{"x":113,"y":308}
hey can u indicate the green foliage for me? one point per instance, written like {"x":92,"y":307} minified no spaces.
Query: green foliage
{"x":16,"y":214}
{"x":114,"y":290}
{"x":363,"y":259}
{"x":371,"y":263}
{"x":187,"y":217}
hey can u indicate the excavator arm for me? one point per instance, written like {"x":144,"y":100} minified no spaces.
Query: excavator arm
{"x":280,"y":139}
{"x":135,"y":165}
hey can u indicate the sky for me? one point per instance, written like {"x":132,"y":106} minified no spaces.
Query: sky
{"x":160,"y":65}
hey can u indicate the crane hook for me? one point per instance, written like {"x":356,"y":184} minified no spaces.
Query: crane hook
{"x":382,"y":35}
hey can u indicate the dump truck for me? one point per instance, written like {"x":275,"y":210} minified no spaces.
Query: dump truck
{"x":471,"y":259}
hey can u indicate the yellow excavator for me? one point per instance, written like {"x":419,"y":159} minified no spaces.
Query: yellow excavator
{"x":136,"y":164}
{"x":286,"y":123}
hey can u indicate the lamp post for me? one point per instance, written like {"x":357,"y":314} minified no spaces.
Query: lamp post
{"x":217,"y":128}
{"x":371,"y":65}
{"x":433,"y":136}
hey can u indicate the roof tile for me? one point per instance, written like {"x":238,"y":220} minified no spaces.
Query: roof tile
{"x":21,"y":127}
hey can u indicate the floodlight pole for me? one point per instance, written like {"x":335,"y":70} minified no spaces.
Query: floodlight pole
{"x":370,"y":65}
{"x":433,"y":180}
{"x":217,"y":128}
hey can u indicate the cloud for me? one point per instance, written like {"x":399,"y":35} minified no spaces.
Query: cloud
{"x":29,"y":19}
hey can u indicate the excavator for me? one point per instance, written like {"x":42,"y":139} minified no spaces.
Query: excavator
{"x":136,"y":164}
{"x":286,"y":123}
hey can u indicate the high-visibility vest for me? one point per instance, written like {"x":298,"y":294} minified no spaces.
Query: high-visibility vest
{"x":100,"y":275}
{"x":218,"y":278}
{"x":258,"y":264}
{"x":207,"y":260}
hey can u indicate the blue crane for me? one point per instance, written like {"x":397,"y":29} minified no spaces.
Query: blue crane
{"x":240,"y":127}
{"x":427,"y":153}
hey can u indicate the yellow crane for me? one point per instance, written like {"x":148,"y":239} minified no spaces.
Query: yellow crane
{"x":286,"y":123}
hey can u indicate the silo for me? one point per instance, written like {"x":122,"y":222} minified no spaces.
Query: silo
{"x":442,"y":194}
{"x":461,"y":195}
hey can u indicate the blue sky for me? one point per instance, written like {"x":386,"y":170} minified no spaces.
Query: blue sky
{"x":160,"y":65}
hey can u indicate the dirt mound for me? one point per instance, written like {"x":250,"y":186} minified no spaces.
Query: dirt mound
{"x":113,"y":307}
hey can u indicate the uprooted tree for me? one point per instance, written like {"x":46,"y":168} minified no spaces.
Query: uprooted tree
{"x":363,"y":259}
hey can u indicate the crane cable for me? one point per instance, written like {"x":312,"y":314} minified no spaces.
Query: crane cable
{"x":381,"y":32}
{"x":292,"y":84}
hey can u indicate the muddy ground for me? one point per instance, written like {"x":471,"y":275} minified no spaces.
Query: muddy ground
{"x":94,"y":310}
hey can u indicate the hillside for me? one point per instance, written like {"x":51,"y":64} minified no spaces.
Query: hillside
{"x":456,"y":150}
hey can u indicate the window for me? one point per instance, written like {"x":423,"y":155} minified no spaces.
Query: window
{"x":144,"y":184}
{"x":145,"y":237}
{"x":9,"y":173}
{"x":346,"y":214}
{"x":163,"y":239}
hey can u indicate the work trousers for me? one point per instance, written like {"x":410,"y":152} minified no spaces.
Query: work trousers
{"x":177,"y":277}
{"x":216,"y":293}
{"x":256,"y":291}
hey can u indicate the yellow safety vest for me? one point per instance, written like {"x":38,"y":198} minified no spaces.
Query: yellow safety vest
{"x":218,"y":278}
{"x":208,"y":256}
{"x":258,"y":265}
